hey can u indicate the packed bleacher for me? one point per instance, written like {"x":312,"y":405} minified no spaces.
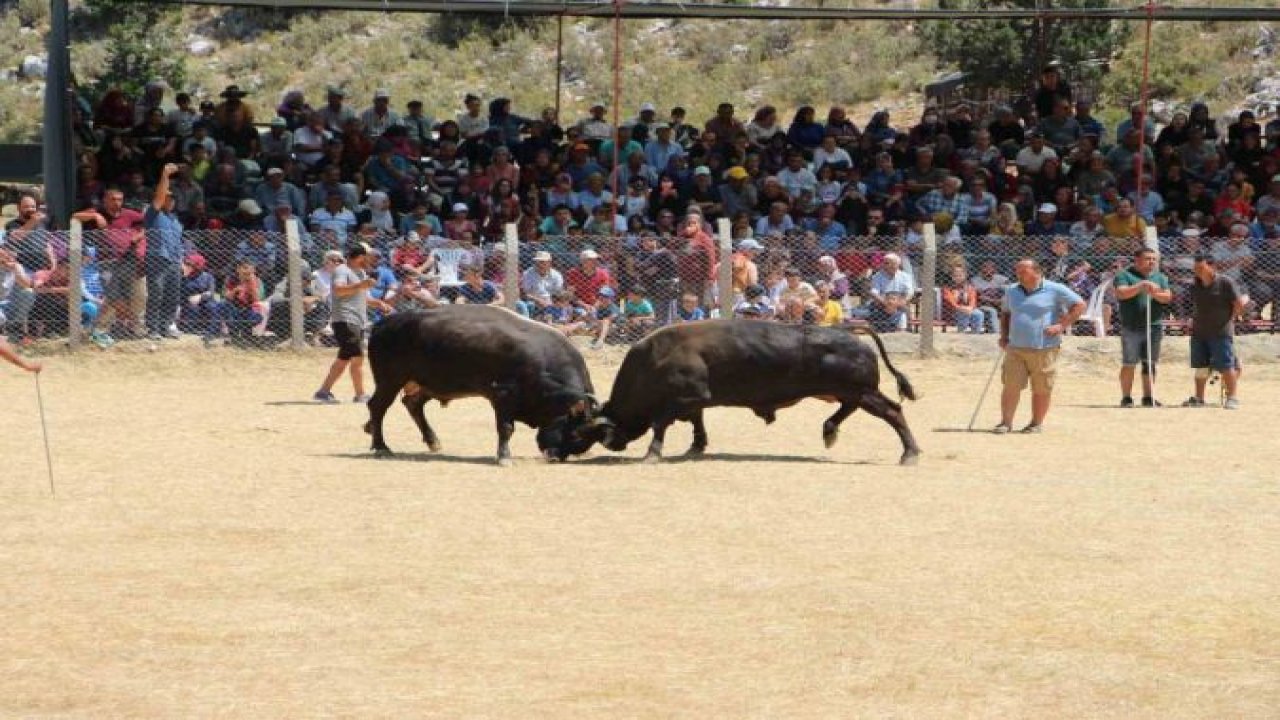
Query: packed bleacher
{"x":617,"y":226}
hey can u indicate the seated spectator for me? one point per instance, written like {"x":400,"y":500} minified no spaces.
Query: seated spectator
{"x":777,"y":222}
{"x":334,"y":218}
{"x":637,"y":312}
{"x":827,"y":311}
{"x":960,"y":304}
{"x":475,"y":290}
{"x":1233,"y":257}
{"x":537,"y":286}
{"x":688,"y":310}
{"x":410,"y":257}
{"x":415,"y":293}
{"x":891,"y":292}
{"x":262,"y":252}
{"x":796,"y":177}
{"x":598,"y":318}
{"x":198,"y":311}
{"x":990,"y":285}
{"x":241,"y":309}
{"x":797,"y":298}
{"x":1125,"y":225}
{"x":755,"y":305}
{"x":837,"y":282}
{"x":564,"y":314}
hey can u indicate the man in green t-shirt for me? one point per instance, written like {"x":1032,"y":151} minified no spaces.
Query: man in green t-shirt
{"x":1140,"y":286}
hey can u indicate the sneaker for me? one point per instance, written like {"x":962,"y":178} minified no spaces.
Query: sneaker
{"x":1193,"y":402}
{"x":172,"y":333}
{"x":1231,"y":404}
{"x":1151,"y":403}
{"x":361,"y":398}
{"x":1002,"y":429}
{"x":1032,"y":429}
{"x":154,"y":337}
{"x":100,"y":339}
{"x":323,"y":396}
{"x":1127,"y":402}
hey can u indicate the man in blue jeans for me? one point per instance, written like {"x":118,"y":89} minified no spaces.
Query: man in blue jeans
{"x":1218,"y":302}
{"x":163,"y":260}
{"x":1035,"y":316}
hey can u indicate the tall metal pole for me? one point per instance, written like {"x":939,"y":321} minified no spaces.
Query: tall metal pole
{"x":1138,"y":168}
{"x":59,"y":183}
{"x":617,"y":105}
{"x":559,"y":60}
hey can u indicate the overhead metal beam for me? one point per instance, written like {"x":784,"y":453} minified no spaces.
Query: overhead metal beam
{"x":692,"y":10}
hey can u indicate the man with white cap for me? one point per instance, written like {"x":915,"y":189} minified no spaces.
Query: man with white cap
{"x":275,"y":189}
{"x":588,"y":278}
{"x":1045,"y":223}
{"x":644,"y":122}
{"x":278,"y":142}
{"x":538,"y":284}
{"x":379,"y":118}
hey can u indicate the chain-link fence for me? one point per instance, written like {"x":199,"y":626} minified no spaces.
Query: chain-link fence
{"x":261,"y":288}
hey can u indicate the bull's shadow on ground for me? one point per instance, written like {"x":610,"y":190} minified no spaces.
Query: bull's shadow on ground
{"x":415,"y":457}
{"x":597,"y":460}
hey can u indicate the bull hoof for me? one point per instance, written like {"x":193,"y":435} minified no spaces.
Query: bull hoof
{"x":652,"y":459}
{"x":696,"y":451}
{"x":433,"y":446}
{"x":383,"y":453}
{"x":910,"y":459}
{"x":829,"y":439}
{"x":505,"y":462}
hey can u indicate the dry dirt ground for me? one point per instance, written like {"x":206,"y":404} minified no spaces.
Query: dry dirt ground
{"x":218,"y":547}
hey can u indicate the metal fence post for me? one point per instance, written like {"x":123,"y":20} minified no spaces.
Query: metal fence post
{"x":511,"y":271}
{"x":1152,"y":240}
{"x":724,"y":283}
{"x":928,"y":273}
{"x":297,"y":311}
{"x":75,"y":260}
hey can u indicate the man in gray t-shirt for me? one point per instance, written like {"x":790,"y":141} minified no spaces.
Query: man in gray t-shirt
{"x":349,"y":300}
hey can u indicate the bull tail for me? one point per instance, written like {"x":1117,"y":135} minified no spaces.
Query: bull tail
{"x":905,"y":390}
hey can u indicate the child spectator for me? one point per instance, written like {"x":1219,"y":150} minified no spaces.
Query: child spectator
{"x":600,"y":319}
{"x":755,"y":305}
{"x":415,"y":293}
{"x":475,"y":290}
{"x":688,"y":310}
{"x":93,"y":292}
{"x":562,"y":314}
{"x":960,"y":302}
{"x":637,"y":312}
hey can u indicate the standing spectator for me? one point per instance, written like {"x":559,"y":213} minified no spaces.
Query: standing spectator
{"x":380,"y":117}
{"x":1035,"y":316}
{"x":16,"y":298}
{"x":1218,"y":301}
{"x":27,"y":237}
{"x":1144,"y":295}
{"x":349,"y":302}
{"x":1052,"y":90}
{"x":164,"y":255}
{"x":121,"y":246}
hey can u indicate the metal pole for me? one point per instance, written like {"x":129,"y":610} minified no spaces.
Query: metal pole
{"x":75,"y":261}
{"x":617,"y":105}
{"x":1139,"y":170}
{"x":1153,"y":244}
{"x":297,"y":312}
{"x":724,"y":283}
{"x":44,"y":428}
{"x":559,"y":59}
{"x":57,"y":158}
{"x":928,"y":270}
{"x":511,"y":273}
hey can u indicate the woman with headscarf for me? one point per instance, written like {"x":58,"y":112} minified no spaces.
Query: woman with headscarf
{"x":507,"y":123}
{"x":879,"y":128}
{"x":805,"y":131}
{"x":294,"y":109}
{"x":377,"y":212}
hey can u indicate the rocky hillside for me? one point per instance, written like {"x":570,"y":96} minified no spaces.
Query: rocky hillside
{"x":694,"y":63}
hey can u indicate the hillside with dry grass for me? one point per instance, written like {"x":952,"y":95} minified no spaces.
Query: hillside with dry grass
{"x":693,"y":63}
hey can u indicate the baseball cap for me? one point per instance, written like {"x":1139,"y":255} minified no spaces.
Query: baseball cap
{"x":750,"y":244}
{"x":275,"y":171}
{"x":661,"y":126}
{"x":737,"y":172}
{"x":249,"y":206}
{"x":606,"y":291}
{"x":278,"y":121}
{"x":702,"y":170}
{"x":589,"y":254}
{"x":648,"y":107}
{"x":542,"y":256}
{"x":381,"y":93}
{"x":1047,"y":208}
{"x":461,"y":207}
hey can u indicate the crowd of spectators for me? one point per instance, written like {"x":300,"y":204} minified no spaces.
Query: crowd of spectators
{"x":616,"y":224}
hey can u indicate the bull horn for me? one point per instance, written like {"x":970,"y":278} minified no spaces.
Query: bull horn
{"x":602,"y":421}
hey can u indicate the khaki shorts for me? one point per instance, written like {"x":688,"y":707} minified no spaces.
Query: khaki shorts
{"x":1038,"y":366}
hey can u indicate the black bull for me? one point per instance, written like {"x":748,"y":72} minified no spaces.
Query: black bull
{"x":527,"y":371}
{"x":678,"y":371}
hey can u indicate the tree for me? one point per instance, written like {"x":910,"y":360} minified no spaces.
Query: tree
{"x":1007,"y":53}
{"x":141,"y":45}
{"x":452,"y":28}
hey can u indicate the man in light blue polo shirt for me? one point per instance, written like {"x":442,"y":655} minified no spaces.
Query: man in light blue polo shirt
{"x":1035,"y":315}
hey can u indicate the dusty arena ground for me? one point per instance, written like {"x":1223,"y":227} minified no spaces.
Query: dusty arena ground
{"x":219,"y":547}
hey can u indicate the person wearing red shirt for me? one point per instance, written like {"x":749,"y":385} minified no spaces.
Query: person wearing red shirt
{"x":587,"y":279}
{"x":121,"y":247}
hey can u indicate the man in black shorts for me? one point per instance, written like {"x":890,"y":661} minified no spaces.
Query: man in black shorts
{"x":349,"y":301}
{"x":1218,"y":302}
